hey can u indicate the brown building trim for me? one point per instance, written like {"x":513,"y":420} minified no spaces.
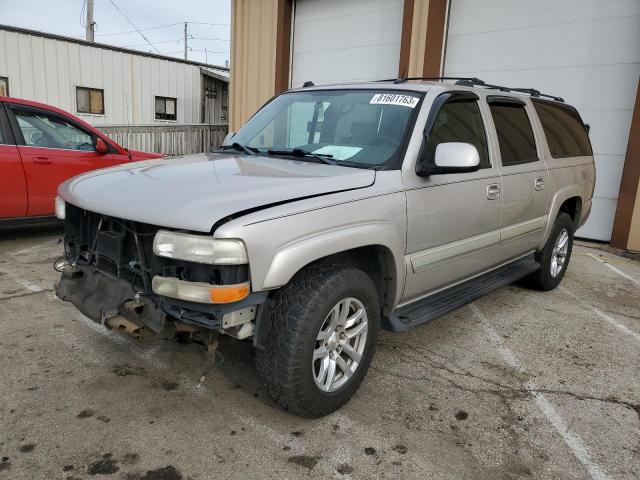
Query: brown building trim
{"x":629,"y":183}
{"x":283,"y":45}
{"x":405,"y":40}
{"x":436,"y":21}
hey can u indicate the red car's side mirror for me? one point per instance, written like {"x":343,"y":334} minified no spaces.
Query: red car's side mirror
{"x":101,"y":146}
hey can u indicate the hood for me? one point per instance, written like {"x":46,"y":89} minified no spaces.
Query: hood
{"x":137,"y":155}
{"x":194,"y":192}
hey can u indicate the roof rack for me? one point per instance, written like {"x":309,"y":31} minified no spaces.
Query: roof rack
{"x":476,"y":82}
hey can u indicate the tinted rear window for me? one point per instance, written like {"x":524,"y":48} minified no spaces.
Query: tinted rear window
{"x":515,"y":135}
{"x":563,"y":127}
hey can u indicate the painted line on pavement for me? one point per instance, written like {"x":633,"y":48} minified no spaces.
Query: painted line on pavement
{"x":575,"y":444}
{"x":34,"y":248}
{"x":607,"y":318}
{"x":616,"y":270}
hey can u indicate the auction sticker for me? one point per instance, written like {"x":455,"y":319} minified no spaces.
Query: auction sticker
{"x":394,"y":99}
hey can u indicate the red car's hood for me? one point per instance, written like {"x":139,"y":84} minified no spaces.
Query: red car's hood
{"x":140,"y":155}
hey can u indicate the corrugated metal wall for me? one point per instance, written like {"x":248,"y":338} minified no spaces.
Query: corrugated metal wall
{"x":48,"y":71}
{"x":253,"y":56}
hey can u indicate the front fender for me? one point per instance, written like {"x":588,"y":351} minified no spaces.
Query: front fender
{"x":294,"y":256}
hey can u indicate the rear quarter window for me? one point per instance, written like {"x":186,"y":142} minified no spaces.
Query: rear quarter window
{"x":563,"y":127}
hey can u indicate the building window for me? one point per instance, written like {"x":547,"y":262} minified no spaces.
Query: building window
{"x":166,"y":108}
{"x":4,"y":86}
{"x":90,"y":100}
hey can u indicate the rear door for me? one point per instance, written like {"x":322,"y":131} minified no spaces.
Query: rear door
{"x":13,"y":185}
{"x":524,"y":177}
{"x":53,"y":149}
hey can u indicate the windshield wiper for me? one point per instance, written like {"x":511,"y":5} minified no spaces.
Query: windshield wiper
{"x":299,"y":152}
{"x":240,"y":148}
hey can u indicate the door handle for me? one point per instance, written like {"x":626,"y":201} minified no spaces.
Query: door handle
{"x":538,"y":183}
{"x":42,"y":160}
{"x":493,"y":191}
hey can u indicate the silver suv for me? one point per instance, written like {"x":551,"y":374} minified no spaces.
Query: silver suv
{"x":335,"y":211}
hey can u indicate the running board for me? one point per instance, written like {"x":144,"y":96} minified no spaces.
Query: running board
{"x":440,"y":303}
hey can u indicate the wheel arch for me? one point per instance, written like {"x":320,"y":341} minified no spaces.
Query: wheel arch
{"x":568,"y":200}
{"x":373,"y":248}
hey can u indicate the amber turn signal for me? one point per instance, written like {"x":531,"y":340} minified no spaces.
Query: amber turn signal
{"x":229,"y":293}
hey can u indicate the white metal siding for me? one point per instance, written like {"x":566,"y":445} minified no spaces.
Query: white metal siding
{"x":48,"y":71}
{"x":340,"y":41}
{"x":586,"y":51}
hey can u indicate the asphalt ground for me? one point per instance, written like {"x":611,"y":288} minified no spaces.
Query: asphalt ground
{"x":519,"y":384}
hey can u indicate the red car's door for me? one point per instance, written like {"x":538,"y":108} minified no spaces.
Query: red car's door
{"x":13,"y":186}
{"x":53,"y":148}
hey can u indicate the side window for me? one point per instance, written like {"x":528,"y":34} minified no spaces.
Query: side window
{"x":459,"y":121}
{"x":515,"y":135}
{"x":90,"y":100}
{"x":166,"y":108}
{"x":563,"y":127}
{"x":4,"y":87}
{"x":41,"y":129}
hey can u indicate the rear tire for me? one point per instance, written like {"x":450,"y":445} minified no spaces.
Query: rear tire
{"x":554,"y":257}
{"x":303,"y":348}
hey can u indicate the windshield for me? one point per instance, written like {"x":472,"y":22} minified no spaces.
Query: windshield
{"x":364,"y":128}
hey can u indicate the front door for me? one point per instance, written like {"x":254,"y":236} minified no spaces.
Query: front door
{"x":453,"y":219}
{"x":53,"y":149}
{"x":524,"y":178}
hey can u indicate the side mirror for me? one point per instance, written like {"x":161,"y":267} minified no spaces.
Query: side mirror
{"x":227,"y":139}
{"x":451,"y":157}
{"x":101,"y":146}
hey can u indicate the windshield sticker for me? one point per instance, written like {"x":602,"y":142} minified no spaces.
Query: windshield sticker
{"x":393,"y":99}
{"x":337,"y":152}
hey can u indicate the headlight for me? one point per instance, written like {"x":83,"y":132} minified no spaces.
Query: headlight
{"x":60,"y":208}
{"x":199,"y":292}
{"x":199,"y":248}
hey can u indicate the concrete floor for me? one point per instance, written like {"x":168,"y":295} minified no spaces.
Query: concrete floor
{"x":520,"y":384}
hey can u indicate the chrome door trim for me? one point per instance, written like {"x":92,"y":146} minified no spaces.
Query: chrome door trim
{"x":436,"y":256}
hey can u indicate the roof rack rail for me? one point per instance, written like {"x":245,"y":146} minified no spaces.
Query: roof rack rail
{"x":536,"y":93}
{"x":476,"y":82}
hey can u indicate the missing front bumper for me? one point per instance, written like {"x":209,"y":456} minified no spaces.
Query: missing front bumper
{"x":100,"y":296}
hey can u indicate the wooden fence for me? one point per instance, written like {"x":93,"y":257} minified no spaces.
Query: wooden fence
{"x":168,"y":139}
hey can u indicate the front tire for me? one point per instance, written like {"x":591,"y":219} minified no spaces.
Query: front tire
{"x":321,"y":339}
{"x":554,"y":257}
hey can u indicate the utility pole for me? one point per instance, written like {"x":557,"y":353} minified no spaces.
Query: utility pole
{"x":206,"y":55}
{"x":185,"y":40}
{"x":90,"y":26}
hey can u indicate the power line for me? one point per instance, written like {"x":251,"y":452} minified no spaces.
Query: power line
{"x":211,"y":39}
{"x":136,"y":28}
{"x":161,"y":26}
{"x":155,"y":43}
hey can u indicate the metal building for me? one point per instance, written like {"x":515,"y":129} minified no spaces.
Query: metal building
{"x":586,"y":51}
{"x":145,"y":101}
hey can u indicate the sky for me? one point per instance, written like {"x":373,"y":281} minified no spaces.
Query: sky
{"x":63,"y":17}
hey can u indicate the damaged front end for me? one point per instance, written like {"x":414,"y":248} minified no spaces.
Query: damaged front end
{"x":113,"y":276}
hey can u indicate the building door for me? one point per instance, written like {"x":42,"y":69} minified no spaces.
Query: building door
{"x":585,"y":51}
{"x":342,"y":41}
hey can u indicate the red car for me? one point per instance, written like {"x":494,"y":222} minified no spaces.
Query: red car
{"x":42,"y":146}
